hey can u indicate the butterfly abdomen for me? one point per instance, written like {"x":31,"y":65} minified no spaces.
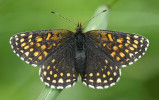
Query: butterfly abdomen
{"x":79,"y":51}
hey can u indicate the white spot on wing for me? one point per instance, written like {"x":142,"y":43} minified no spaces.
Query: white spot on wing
{"x":22,"y":58}
{"x":106,"y":86}
{"x":123,"y":65}
{"x":16,"y":39}
{"x":91,"y":86}
{"x":12,"y":46}
{"x":34,"y":65}
{"x":84,"y":83}
{"x":130,"y":63}
{"x":112,"y":84}
{"x":41,"y":79}
{"x":27,"y":53}
{"x":22,"y":34}
{"x":135,"y":60}
{"x":118,"y":79}
{"x":53,"y":87}
{"x":68,"y":86}
{"x":27,"y":62}
{"x":59,"y":87}
{"x":99,"y":87}
{"x":46,"y":84}
{"x":18,"y":55}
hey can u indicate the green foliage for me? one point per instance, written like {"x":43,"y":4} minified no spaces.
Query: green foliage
{"x":20,"y":81}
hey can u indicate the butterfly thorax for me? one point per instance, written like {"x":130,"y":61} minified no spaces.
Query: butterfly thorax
{"x":79,"y":49}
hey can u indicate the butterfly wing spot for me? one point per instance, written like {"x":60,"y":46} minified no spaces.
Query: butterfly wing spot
{"x":54,"y":44}
{"x":22,"y":35}
{"x":48,"y":78}
{"x":38,"y":39}
{"x":31,"y":49}
{"x":110,"y":79}
{"x":23,"y":44}
{"x":106,"y":61}
{"x":126,"y":50}
{"x":120,"y":40}
{"x":113,"y":54}
{"x":104,"y":44}
{"x":98,"y":74}
{"x":104,"y":76}
{"x":27,"y":53}
{"x":128,"y":37}
{"x":38,"y":44}
{"x":117,"y":58}
{"x":99,"y":80}
{"x":122,"y":54}
{"x":36,"y":53}
{"x":131,"y":48}
{"x":111,"y":68}
{"x":40,"y":57}
{"x":53,"y":81}
{"x":135,"y":46}
{"x":26,"y":47}
{"x":68,"y":80}
{"x":22,"y":40}
{"x":110,"y":37}
{"x":108,"y":73}
{"x":115,"y":48}
{"x":68,"y":75}
{"x":55,"y":75}
{"x":91,"y":81}
{"x":61,"y":74}
{"x":31,"y":43}
{"x":51,"y":72}
{"x":114,"y":73}
{"x":136,"y":42}
{"x":91,"y":74}
{"x":53,"y":60}
{"x":60,"y":80}
{"x":43,"y":47}
{"x":44,"y":73}
{"x":48,"y":67}
{"x":48,"y":36}
{"x":30,"y":36}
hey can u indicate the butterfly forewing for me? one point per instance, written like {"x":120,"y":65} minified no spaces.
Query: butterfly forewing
{"x":35,"y":47}
{"x":123,"y":48}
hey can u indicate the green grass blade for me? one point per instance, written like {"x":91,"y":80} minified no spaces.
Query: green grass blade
{"x":49,"y":94}
{"x":100,"y":22}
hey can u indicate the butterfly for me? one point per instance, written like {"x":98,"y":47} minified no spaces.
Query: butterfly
{"x":97,"y":56}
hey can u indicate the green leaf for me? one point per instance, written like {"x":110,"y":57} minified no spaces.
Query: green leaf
{"x":49,"y":94}
{"x":100,"y":22}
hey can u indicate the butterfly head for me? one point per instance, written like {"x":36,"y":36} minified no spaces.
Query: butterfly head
{"x":79,"y":27}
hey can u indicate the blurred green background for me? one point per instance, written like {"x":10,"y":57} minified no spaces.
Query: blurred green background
{"x":20,"y":81}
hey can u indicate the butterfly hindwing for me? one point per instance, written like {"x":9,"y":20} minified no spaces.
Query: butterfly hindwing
{"x":35,"y":47}
{"x":100,"y":71}
{"x":58,"y":71}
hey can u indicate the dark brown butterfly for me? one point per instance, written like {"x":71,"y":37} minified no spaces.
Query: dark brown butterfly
{"x":96,"y":55}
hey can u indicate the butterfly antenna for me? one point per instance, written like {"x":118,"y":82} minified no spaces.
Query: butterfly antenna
{"x":94,"y":16}
{"x":63,"y":17}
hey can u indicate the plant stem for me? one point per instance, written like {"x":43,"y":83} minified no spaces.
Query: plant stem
{"x":49,"y":94}
{"x":111,"y":3}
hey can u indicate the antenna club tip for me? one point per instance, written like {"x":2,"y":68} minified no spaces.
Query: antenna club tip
{"x":104,"y":10}
{"x":52,"y":12}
